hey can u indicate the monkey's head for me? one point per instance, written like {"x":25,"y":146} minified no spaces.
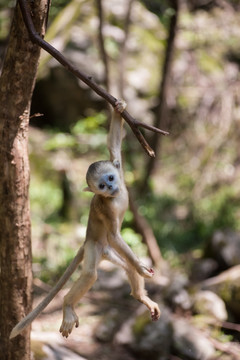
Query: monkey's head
{"x":103,"y":178}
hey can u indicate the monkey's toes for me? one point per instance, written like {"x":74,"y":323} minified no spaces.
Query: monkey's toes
{"x":67,"y":326}
{"x":64,"y":333}
{"x":155,"y":314}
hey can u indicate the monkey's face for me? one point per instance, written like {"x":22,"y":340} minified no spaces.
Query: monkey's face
{"x":104,"y":180}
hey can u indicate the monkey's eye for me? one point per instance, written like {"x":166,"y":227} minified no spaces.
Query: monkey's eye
{"x":111,"y":178}
{"x":101,"y":186}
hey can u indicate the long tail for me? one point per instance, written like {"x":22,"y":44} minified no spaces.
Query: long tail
{"x":27,"y":320}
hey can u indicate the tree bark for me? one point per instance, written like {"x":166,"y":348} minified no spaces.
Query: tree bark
{"x":16,"y":87}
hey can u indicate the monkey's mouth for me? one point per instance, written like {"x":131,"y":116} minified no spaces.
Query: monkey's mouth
{"x":115,"y":192}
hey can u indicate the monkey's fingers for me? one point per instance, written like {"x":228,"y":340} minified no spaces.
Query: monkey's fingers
{"x":120,"y":106}
{"x":146,"y":272}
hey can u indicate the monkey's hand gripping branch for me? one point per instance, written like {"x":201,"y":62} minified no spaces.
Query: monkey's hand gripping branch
{"x":133,"y":123}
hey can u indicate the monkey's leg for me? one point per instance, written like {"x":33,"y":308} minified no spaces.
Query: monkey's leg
{"x":139,"y":292}
{"x":117,"y":243}
{"x":136,"y":282}
{"x":92,"y":256}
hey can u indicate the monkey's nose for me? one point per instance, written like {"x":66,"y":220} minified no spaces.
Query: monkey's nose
{"x":110,"y":187}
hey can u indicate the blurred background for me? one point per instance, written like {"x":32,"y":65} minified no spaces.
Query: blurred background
{"x":176,"y":63}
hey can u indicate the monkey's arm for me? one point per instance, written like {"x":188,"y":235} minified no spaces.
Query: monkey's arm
{"x":27,"y":320}
{"x":117,"y":243}
{"x":115,"y":133}
{"x":121,"y":247}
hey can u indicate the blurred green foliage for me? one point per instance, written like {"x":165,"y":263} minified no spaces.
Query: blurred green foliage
{"x":46,"y":197}
{"x":181,"y":225}
{"x":134,"y":241}
{"x":60,"y":141}
{"x":91,"y":124}
{"x":56,"y":7}
{"x":162,"y":9}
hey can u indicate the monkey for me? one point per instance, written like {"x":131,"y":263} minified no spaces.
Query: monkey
{"x":105,"y":179}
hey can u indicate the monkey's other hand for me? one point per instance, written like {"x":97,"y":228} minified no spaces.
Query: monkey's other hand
{"x":120,"y":106}
{"x":69,"y":320}
{"x":145,"y":271}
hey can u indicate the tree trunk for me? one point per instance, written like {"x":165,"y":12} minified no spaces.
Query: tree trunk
{"x":16,"y":87}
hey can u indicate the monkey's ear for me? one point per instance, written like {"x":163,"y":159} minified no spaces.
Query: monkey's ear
{"x":116,"y":163}
{"x":87,"y":189}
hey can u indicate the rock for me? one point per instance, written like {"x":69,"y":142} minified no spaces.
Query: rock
{"x":203,"y":269}
{"x":225,"y":247}
{"x":51,"y":346}
{"x":125,"y":335}
{"x":189,"y":342}
{"x":227,"y":286}
{"x":60,"y":353}
{"x":106,"y":329}
{"x":145,"y":338}
{"x":153,"y":341}
{"x":209,"y":303}
{"x":176,"y":294}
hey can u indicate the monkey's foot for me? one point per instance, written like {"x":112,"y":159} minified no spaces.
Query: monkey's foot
{"x":152,"y":306}
{"x":155,"y":312}
{"x":145,"y":271}
{"x":69,"y":320}
{"x":120,"y":106}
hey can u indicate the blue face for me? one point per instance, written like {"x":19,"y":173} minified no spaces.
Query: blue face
{"x":108,"y":184}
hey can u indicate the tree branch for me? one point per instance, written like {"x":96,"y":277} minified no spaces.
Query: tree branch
{"x":134,"y":124}
{"x":101,"y":43}
{"x":123,"y":49}
{"x":164,"y":88}
{"x":143,"y":228}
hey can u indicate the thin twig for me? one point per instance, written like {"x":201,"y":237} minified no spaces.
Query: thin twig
{"x":148,"y":236}
{"x":230,"y":348}
{"x":231,"y":326}
{"x":36,"y":38}
{"x":36,"y":115}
